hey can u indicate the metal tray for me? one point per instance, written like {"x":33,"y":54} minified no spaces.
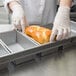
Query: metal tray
{"x":22,"y":46}
{"x":14,"y":42}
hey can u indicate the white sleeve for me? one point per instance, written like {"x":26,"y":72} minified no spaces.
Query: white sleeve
{"x":6,"y":2}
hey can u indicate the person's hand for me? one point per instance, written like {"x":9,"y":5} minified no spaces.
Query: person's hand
{"x":61,"y":27}
{"x":18,"y":18}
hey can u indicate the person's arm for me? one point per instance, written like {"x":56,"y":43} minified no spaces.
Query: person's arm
{"x":11,"y":4}
{"x":66,"y":3}
{"x":7,"y":2}
{"x":61,"y":27}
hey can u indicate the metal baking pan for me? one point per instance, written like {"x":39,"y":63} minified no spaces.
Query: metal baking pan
{"x":15,"y":42}
{"x":22,"y":46}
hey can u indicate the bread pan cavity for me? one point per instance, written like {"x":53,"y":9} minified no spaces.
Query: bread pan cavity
{"x":31,"y":39}
{"x":16,"y":42}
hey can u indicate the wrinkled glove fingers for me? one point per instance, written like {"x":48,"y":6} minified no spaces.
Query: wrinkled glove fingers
{"x":65,"y":34}
{"x":69,"y":33}
{"x":16,"y":23}
{"x":22,"y":24}
{"x":59,"y":34}
{"x":53,"y":35}
{"x":15,"y":20}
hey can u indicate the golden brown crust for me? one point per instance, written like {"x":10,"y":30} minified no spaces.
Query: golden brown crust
{"x":38,"y":33}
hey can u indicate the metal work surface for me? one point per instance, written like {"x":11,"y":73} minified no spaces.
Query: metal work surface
{"x":51,"y":65}
{"x":55,"y":65}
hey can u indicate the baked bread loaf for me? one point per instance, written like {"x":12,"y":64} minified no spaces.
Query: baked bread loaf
{"x":38,"y":33}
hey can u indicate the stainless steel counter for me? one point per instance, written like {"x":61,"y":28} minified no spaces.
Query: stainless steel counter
{"x":51,"y":66}
{"x":64,"y":65}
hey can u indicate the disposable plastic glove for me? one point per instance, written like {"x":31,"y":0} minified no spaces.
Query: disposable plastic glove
{"x":18,"y":18}
{"x":61,"y":27}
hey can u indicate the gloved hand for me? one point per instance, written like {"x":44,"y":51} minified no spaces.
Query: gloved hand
{"x":61,"y":27}
{"x":18,"y":18}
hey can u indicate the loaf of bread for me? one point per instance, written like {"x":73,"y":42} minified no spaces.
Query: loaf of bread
{"x":38,"y":33}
